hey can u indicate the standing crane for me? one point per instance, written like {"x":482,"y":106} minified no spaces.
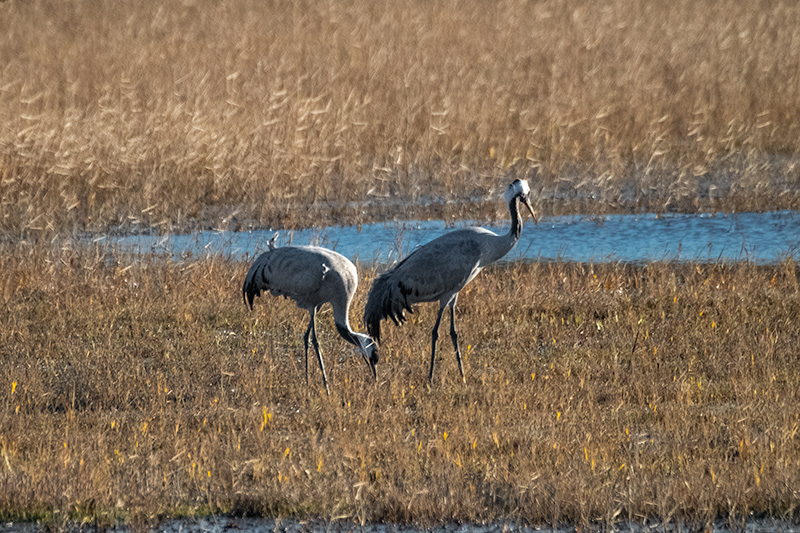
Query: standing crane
{"x":311,"y":276}
{"x":438,"y":270}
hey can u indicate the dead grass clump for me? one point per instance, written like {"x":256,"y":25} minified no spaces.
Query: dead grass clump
{"x":137,"y":388}
{"x":119,"y":115}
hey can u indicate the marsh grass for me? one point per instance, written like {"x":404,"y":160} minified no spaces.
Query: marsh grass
{"x":132,"y":389}
{"x":116,"y":114}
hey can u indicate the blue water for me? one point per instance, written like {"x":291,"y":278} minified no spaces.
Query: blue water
{"x":758,"y":237}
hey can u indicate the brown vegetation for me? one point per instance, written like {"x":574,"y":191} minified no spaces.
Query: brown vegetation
{"x":136,"y":387}
{"x":140,"y":388}
{"x":122,"y":114}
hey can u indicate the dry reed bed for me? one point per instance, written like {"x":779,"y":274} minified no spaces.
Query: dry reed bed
{"x":142,"y":388}
{"x":116,"y":113}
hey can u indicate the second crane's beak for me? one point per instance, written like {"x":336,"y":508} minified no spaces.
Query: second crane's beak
{"x":527,"y":204}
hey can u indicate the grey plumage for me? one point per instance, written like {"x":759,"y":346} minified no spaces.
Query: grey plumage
{"x":311,"y":276}
{"x":438,"y":270}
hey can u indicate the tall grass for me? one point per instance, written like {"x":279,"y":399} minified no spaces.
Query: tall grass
{"x":125,"y":114}
{"x":595,"y":393}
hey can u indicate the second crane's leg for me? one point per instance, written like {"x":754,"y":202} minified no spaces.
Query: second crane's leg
{"x":319,"y":355}
{"x":434,"y":337}
{"x":305,"y":340}
{"x":454,"y":335}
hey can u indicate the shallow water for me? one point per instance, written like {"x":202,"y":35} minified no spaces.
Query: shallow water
{"x":767,"y":237}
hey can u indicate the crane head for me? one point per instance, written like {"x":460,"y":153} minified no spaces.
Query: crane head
{"x":519,"y":189}
{"x":368,"y":349}
{"x":273,"y":242}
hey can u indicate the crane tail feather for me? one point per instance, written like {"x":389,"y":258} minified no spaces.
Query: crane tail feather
{"x":249,"y":293}
{"x":250,"y":288}
{"x":386,"y":299}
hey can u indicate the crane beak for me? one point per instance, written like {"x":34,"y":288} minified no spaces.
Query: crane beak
{"x":527,"y":204}
{"x":371,"y":363}
{"x":372,"y":367}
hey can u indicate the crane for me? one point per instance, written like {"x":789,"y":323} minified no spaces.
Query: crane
{"x":311,"y":276}
{"x":438,"y":270}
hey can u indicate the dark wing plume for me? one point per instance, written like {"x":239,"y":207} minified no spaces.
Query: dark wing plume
{"x":251,"y":287}
{"x":387,"y":298}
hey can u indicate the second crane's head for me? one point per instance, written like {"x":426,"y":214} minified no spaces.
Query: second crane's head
{"x":368,"y":349}
{"x":519,"y":190}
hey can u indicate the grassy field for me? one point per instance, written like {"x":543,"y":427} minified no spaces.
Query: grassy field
{"x":119,"y":114}
{"x":132,"y":389}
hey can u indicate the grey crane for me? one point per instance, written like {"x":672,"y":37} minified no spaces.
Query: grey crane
{"x":311,"y":276}
{"x":438,"y":270}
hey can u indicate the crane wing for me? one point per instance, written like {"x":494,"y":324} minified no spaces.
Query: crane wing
{"x":437,"y":269}
{"x":434,"y":271}
{"x":289,"y":271}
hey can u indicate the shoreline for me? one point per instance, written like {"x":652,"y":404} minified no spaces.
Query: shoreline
{"x":228,"y":522}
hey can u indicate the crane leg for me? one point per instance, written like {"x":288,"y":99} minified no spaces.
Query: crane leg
{"x":434,"y":337}
{"x":319,"y":355}
{"x":454,"y":336}
{"x":305,"y":341}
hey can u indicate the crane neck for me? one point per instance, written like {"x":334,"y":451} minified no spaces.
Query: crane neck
{"x":341,"y":310}
{"x":342,"y":321}
{"x":516,"y":221}
{"x":359,"y":340}
{"x":502,"y":244}
{"x":347,"y":334}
